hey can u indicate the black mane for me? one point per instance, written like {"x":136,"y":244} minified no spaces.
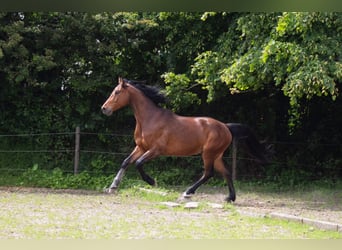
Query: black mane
{"x":151,"y":92}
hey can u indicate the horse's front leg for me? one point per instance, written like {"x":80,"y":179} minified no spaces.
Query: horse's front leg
{"x":137,"y":152}
{"x":150,"y":154}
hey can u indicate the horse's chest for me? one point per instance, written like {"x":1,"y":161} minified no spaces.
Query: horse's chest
{"x":143,"y":140}
{"x":147,"y":141}
{"x":147,"y":137}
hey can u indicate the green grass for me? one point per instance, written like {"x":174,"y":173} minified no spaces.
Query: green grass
{"x":133,"y":214}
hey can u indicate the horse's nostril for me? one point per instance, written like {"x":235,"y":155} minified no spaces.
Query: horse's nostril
{"x":106,"y":111}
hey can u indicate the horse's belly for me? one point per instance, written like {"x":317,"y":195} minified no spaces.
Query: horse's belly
{"x":183,"y":147}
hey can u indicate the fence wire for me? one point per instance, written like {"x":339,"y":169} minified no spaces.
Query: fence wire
{"x":96,"y":151}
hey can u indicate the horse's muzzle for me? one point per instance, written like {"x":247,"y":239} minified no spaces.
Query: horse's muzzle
{"x":106,"y":111}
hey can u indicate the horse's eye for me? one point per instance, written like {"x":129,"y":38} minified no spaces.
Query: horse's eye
{"x":116,"y":92}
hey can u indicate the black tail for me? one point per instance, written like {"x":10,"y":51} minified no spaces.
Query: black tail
{"x":243,"y":133}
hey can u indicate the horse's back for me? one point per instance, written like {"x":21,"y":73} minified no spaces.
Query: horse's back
{"x":193,"y":135}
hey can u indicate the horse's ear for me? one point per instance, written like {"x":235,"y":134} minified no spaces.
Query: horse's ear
{"x":124,"y":83}
{"x":120,"y":80}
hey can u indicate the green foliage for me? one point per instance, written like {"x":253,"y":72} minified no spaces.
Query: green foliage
{"x":273,"y":71}
{"x":177,"y":89}
{"x":286,"y":180}
{"x":298,"y":52}
{"x":207,"y":67}
{"x":36,"y":177}
{"x":175,"y":171}
{"x":100,"y":164}
{"x":57,"y":179}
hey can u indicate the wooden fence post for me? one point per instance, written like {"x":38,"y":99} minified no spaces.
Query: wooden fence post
{"x":77,"y":149}
{"x":234,"y":153}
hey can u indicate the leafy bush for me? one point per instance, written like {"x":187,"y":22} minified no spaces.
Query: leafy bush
{"x":36,"y":177}
{"x":57,"y":179}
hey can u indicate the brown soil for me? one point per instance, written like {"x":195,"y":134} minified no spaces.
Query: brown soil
{"x":312,"y":205}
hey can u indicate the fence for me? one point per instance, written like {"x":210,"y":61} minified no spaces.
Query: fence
{"x":75,"y":151}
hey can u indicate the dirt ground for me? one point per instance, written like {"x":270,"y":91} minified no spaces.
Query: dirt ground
{"x":313,"y":205}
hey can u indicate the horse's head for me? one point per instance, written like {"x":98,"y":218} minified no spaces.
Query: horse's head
{"x":118,"y":98}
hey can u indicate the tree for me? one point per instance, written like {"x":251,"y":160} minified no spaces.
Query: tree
{"x":299,"y":53}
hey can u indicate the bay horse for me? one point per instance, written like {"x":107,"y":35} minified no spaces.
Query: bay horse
{"x":159,"y":131}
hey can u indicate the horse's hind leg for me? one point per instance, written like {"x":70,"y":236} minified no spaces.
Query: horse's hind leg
{"x":208,"y":173}
{"x":220,"y":167}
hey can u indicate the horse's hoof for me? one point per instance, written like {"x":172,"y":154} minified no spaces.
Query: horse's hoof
{"x":151,"y":182}
{"x":230,"y":199}
{"x":187,"y":196}
{"x":109,"y":190}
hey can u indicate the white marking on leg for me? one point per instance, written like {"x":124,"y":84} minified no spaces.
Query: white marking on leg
{"x":117,"y":179}
{"x":187,"y":196}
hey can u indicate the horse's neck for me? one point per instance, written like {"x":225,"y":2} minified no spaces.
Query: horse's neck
{"x":144,"y":109}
